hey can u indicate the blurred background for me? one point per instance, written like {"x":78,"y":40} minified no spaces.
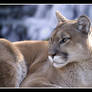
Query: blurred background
{"x":36,"y":22}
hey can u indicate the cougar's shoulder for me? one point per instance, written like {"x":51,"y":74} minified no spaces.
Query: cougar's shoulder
{"x":12,"y":64}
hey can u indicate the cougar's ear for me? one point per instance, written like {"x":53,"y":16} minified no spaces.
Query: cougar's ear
{"x":83,"y":24}
{"x":60,"y":17}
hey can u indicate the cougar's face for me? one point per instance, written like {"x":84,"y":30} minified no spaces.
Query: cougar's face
{"x":67,"y":44}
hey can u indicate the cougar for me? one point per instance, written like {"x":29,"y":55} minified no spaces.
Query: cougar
{"x":63,"y":61}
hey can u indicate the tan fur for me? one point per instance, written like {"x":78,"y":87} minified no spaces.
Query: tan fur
{"x":17,"y":58}
{"x":75,"y":70}
{"x":33,"y":51}
{"x":59,"y":63}
{"x":12,"y":65}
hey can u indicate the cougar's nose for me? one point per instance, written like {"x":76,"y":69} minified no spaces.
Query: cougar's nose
{"x":51,"y":53}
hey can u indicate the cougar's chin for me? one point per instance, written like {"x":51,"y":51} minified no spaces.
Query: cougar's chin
{"x":57,"y":62}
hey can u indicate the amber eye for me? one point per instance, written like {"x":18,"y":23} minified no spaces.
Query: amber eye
{"x":64,"y":40}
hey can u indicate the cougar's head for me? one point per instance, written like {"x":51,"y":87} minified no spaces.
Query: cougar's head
{"x":68,"y":41}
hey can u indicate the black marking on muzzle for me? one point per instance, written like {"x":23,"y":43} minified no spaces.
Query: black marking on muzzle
{"x":64,"y":55}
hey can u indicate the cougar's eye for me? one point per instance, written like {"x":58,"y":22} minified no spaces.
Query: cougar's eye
{"x":64,"y":40}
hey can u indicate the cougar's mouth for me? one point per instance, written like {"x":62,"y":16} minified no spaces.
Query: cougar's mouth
{"x":56,"y":60}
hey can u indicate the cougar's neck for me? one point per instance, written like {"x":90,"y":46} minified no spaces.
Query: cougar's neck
{"x":73,"y":75}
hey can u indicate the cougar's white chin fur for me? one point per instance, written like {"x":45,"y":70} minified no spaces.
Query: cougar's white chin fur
{"x":57,"y":62}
